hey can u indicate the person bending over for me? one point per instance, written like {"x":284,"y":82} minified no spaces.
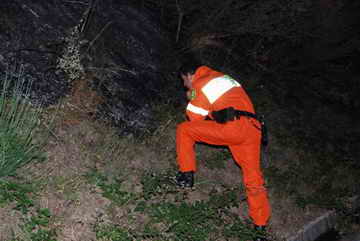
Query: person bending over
{"x":220,"y":112}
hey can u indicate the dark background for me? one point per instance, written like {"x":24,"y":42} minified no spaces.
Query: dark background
{"x":302,"y":52}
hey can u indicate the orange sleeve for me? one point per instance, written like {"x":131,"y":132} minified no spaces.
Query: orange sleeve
{"x":199,"y":107}
{"x":193,"y":116}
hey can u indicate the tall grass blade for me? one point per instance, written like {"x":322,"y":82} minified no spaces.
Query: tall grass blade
{"x":18,"y":121}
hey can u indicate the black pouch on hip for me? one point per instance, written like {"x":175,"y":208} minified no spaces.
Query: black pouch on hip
{"x":224,"y":115}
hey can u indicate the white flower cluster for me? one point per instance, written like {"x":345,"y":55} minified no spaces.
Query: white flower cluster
{"x":69,"y":62}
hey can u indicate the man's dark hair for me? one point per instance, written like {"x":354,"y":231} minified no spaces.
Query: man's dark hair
{"x":189,"y":64}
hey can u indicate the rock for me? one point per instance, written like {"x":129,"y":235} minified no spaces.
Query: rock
{"x":315,"y":228}
{"x":31,"y":36}
{"x":57,"y":42}
{"x":132,"y":45}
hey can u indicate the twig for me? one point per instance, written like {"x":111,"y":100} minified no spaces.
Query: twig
{"x":80,"y":2}
{"x":98,"y":35}
{"x":113,"y":70}
{"x":89,"y":12}
{"x":181,"y":15}
{"x":52,"y":133}
{"x":30,"y":10}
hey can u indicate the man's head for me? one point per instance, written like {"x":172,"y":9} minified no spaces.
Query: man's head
{"x":188,"y":68}
{"x":188,"y":79}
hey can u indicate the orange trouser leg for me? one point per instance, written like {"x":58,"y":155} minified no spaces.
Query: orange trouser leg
{"x":188,"y":133}
{"x":248,"y":157}
{"x":244,"y":142}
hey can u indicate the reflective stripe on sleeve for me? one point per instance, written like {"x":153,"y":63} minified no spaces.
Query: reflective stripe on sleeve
{"x":197,"y":110}
{"x":218,"y":86}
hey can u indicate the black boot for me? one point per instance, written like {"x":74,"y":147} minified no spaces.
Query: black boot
{"x":185,"y":179}
{"x":261,"y":233}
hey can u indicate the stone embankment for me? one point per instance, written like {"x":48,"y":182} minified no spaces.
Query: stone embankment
{"x":323,"y":224}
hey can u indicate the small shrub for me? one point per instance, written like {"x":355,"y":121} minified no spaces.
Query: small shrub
{"x":70,"y":62}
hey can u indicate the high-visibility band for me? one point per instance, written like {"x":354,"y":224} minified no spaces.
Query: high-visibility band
{"x":215,"y":88}
{"x":197,"y":110}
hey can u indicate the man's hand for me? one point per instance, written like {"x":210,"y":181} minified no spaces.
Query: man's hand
{"x":188,"y":94}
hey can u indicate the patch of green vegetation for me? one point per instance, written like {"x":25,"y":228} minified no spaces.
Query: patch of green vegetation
{"x":36,"y":223}
{"x":155,"y":184}
{"x":111,"y":232}
{"x":241,"y":231}
{"x":37,"y":227}
{"x":111,"y":189}
{"x":170,"y":214}
{"x":150,"y":232}
{"x":193,"y":222}
{"x":225,"y":199}
{"x":18,"y":193}
{"x":18,"y":121}
{"x":199,"y":220}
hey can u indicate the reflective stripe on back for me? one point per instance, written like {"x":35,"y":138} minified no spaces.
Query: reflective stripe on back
{"x":197,"y":110}
{"x":218,"y":86}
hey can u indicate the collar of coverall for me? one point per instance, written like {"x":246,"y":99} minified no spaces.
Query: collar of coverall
{"x":201,"y":71}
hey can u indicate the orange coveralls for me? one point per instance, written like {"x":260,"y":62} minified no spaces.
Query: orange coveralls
{"x":213,"y":91}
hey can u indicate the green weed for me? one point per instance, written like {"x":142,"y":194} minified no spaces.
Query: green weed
{"x":155,"y":184}
{"x":201,"y":220}
{"x":111,"y":189}
{"x":18,"y":193}
{"x":185,"y":221}
{"x":36,"y":227}
{"x":111,"y":232}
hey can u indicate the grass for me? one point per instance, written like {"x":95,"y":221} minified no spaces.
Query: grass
{"x":12,"y":192}
{"x":37,"y":226}
{"x":111,"y":232}
{"x":35,"y":221}
{"x":158,"y":184}
{"x":18,"y":120}
{"x":179,"y":219}
{"x":111,"y":189}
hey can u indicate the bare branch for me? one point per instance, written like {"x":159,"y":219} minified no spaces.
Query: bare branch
{"x":98,"y":35}
{"x":181,"y":15}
